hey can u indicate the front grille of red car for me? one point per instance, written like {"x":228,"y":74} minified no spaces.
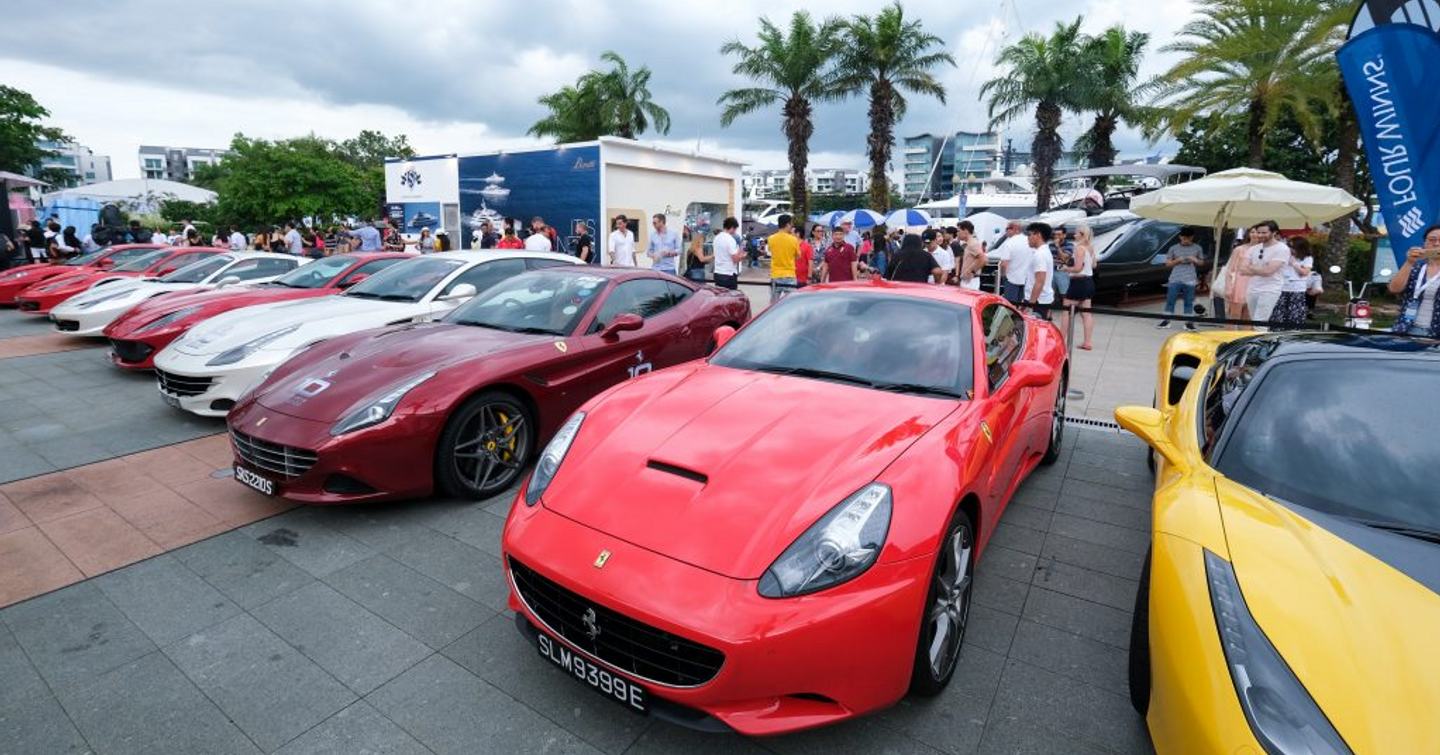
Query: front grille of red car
{"x":131,"y":351}
{"x":29,"y":306}
{"x":629,"y":645}
{"x":287,"y":461}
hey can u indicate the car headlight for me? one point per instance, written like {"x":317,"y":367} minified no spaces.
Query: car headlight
{"x":837,"y":548}
{"x":231,"y":356}
{"x":551,"y":457}
{"x":111,"y":296}
{"x":164,"y":320}
{"x":1281,"y":713}
{"x":376,"y":409}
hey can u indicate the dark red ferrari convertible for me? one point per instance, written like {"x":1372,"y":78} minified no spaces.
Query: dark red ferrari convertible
{"x":460,"y":405}
{"x":784,"y":535}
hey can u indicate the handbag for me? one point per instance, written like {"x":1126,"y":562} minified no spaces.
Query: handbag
{"x":1217,"y":283}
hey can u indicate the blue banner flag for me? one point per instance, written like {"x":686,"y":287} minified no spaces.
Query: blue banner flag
{"x":1391,"y":73}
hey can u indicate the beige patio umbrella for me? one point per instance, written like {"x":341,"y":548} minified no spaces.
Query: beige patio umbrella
{"x":1242,"y":197}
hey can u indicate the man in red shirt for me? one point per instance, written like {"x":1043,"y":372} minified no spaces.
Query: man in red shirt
{"x":841,"y":263}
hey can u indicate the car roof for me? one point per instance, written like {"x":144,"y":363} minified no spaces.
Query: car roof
{"x":948,"y":294}
{"x":1332,"y":343}
{"x":370,"y":256}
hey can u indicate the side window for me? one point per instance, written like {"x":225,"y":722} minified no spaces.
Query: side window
{"x":1228,"y":381}
{"x":369,"y":268}
{"x":486,"y":274}
{"x":262,"y":268}
{"x":679,"y":291}
{"x":1004,"y":341}
{"x":647,"y":297}
{"x":542,"y":264}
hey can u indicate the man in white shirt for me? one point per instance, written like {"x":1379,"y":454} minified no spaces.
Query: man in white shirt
{"x":538,"y":240}
{"x":1265,"y":263}
{"x":293,"y":243}
{"x":1015,"y":261}
{"x":1039,"y":293}
{"x":238,"y":241}
{"x":944,"y":257}
{"x":728,"y":255}
{"x":621,"y":248}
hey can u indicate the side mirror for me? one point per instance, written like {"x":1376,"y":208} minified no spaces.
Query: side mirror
{"x":1029,"y":373}
{"x":352,"y":280}
{"x":229,"y":280}
{"x":723,"y":334}
{"x":1149,"y":425}
{"x":459,"y":293}
{"x":622,"y":323}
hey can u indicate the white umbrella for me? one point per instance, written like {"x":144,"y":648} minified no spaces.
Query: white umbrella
{"x":861,"y":219}
{"x":1242,"y":197}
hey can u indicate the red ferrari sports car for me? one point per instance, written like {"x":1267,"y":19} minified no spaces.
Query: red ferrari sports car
{"x":461,"y":404}
{"x":12,"y":282}
{"x":42,"y":297}
{"x":783,"y":536}
{"x":140,"y":333}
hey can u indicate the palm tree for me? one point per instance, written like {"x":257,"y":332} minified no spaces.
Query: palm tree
{"x":795,"y":69}
{"x":1041,"y":75}
{"x":1260,"y":57}
{"x":616,"y":102}
{"x":1110,"y":66}
{"x":890,"y":56}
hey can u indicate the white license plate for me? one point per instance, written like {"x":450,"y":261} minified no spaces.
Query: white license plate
{"x":610,"y":685}
{"x":254,"y":481}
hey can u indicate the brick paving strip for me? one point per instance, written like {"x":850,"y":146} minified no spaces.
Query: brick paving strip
{"x":60,"y":528}
{"x":43,"y":343}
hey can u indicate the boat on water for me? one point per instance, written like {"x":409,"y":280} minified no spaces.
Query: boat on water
{"x":423,"y":220}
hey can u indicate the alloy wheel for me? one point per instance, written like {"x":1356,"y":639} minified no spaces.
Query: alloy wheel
{"x":950,"y":610}
{"x":495,"y":442}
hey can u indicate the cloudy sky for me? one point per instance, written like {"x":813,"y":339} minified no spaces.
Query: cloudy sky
{"x":463,"y":75}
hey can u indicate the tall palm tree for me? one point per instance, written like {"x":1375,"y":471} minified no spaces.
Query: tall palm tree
{"x":889,"y":55}
{"x":1110,"y":67}
{"x":616,"y":102}
{"x":1041,"y":74}
{"x":796,"y":69}
{"x":1260,"y":57}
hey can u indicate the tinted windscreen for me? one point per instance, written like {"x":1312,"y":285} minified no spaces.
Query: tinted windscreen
{"x":1347,"y":437}
{"x":139,"y":263}
{"x":407,"y":281}
{"x":198,"y":271}
{"x":886,"y":342}
{"x":538,"y":302}
{"x":316,"y":274}
{"x":87,"y":259}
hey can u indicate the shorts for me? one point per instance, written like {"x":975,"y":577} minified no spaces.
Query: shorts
{"x":1041,"y":311}
{"x":1082,"y":288}
{"x":731,"y":282}
{"x":1013,"y":293}
{"x":973,"y":284}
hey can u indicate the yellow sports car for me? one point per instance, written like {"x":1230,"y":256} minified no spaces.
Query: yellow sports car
{"x":1290,"y":602}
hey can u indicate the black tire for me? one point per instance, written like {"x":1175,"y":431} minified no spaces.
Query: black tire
{"x":1057,"y":423}
{"x":1140,"y":643}
{"x":485,"y":446}
{"x":930,"y":674}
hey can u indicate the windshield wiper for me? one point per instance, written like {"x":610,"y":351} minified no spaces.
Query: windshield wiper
{"x":394,"y":297}
{"x":1419,"y":533}
{"x":362,"y":294}
{"x":509,"y":329}
{"x":811,"y":372}
{"x":934,"y":390}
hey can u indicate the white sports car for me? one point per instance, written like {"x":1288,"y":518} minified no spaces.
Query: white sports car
{"x":88,"y":313}
{"x":222,"y":358}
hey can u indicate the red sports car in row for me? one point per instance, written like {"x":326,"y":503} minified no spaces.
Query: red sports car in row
{"x":784,"y":535}
{"x":460,"y":405}
{"x":12,"y":282}
{"x":42,"y":297}
{"x":140,"y":333}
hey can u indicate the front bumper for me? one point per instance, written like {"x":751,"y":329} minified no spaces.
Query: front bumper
{"x":83,"y":322}
{"x":211,"y":393}
{"x":391,"y":460}
{"x":788,"y":664}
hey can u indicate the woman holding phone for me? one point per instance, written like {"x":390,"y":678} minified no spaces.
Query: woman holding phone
{"x":1417,"y":283}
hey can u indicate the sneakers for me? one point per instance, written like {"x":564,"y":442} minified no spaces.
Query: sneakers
{"x":1190,"y":326}
{"x":1163,"y":324}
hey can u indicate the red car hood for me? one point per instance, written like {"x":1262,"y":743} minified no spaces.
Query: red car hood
{"x":74,"y":282}
{"x":18,"y":279}
{"x":777,"y":453}
{"x":213,"y":301}
{"x":364,"y":364}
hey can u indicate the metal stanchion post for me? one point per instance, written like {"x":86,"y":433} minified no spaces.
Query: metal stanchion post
{"x":1070,"y":331}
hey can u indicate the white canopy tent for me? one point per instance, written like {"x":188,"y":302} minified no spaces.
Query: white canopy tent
{"x":140,"y":194}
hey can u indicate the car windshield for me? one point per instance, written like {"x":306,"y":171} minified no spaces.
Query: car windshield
{"x":198,"y":271}
{"x":408,"y":281}
{"x":316,"y":274}
{"x":1323,"y":434}
{"x":881,"y":341}
{"x":138,"y":264}
{"x":544,"y":301}
{"x":87,"y":259}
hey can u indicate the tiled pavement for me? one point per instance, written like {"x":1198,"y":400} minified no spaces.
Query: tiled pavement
{"x":384,"y":628}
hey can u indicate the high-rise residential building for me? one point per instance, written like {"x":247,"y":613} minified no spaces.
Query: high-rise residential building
{"x":776,"y":183}
{"x":926,"y":156}
{"x":937,"y":167}
{"x":176,"y":163}
{"x":79,"y":163}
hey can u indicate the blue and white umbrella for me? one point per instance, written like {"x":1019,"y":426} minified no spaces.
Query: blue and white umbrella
{"x":861,"y":219}
{"x":827,"y":219}
{"x":908,"y":219}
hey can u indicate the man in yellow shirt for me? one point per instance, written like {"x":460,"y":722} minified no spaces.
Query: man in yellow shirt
{"x":784,"y":245}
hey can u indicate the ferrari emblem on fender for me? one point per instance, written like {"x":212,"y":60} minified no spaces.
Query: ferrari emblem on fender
{"x":984,"y":428}
{"x":592,"y":630}
{"x":561,"y":347}
{"x":601,"y":559}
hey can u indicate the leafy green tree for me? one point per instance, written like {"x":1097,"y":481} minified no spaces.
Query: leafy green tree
{"x":1108,"y":77}
{"x":1040,"y":75}
{"x":264,"y":182}
{"x":20,"y":129}
{"x":176,"y":210}
{"x":616,"y":102}
{"x":889,"y":55}
{"x":1258,"y":57}
{"x":369,"y":149}
{"x":796,"y":69}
